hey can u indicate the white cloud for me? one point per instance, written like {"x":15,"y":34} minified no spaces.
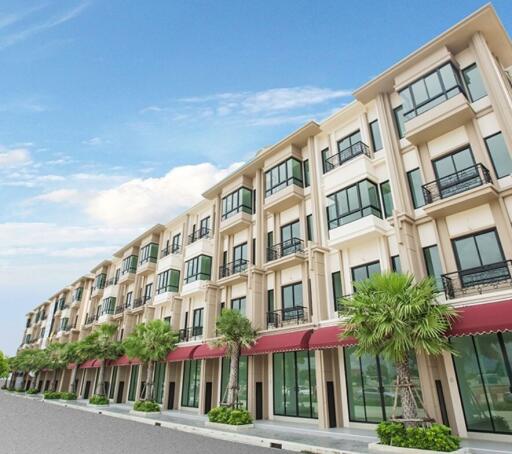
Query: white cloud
{"x":58,"y":196}
{"x":95,"y":141}
{"x":154,"y":200}
{"x":14,"y":157}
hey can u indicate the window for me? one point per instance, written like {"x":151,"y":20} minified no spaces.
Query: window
{"x":270,"y":239}
{"x":395,"y":264}
{"x":270,"y":300}
{"x":474,"y":82}
{"x":116,"y":277}
{"x":239,"y":304}
{"x":362,"y":272}
{"x":294,"y":383}
{"x":500,"y":155}
{"x":352,"y":203}
{"x":337,"y":290}
{"x":236,"y":202}
{"x":240,"y":257}
{"x":326,"y":166}
{"x":77,"y":294}
{"x":109,"y":306}
{"x":415,"y":183}
{"x":100,"y":280}
{"x":134,"y":375}
{"x":291,"y":296}
{"x":484,"y":376}
{"x":113,"y":379}
{"x":290,"y":241}
{"x":433,"y":264}
{"x":430,"y":91}
{"x":168,"y":281}
{"x":349,"y":147}
{"x":349,"y":141}
{"x":283,"y":175}
{"x":128,"y":301}
{"x":309,"y":227}
{"x":253,"y":251}
{"x":198,"y":269}
{"x":167,"y":321}
{"x":242,"y":380}
{"x":398,"y":113}
{"x":197,"y":322}
{"x":375,"y":133}
{"x":387,"y":198}
{"x":147,"y":292}
{"x":129,"y":264}
{"x":254,"y":202}
{"x":306,"y":173}
{"x":371,"y":382}
{"x":149,"y":253}
{"x":159,"y":381}
{"x":191,"y":377}
{"x":176,"y":243}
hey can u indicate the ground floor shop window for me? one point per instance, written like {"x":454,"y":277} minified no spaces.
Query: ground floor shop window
{"x":484,"y":375}
{"x":191,"y":378}
{"x":159,"y":381}
{"x":371,"y":386}
{"x":134,"y":375}
{"x":242,"y":380}
{"x":295,"y":384}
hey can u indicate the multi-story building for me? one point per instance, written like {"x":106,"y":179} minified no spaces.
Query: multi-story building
{"x":412,"y":176}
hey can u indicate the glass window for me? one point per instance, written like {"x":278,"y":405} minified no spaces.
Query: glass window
{"x":474,"y":82}
{"x":168,"y":281}
{"x":159,"y":381}
{"x":433,"y":264}
{"x":375,"y":133}
{"x":500,"y":155}
{"x":306,"y":173}
{"x":395,"y":264}
{"x":239,"y":304}
{"x":326,"y":165}
{"x":337,"y":290}
{"x":176,"y":243}
{"x":242,"y":380}
{"x":129,"y":264}
{"x":191,"y":377}
{"x":284,"y":174}
{"x":270,"y":300}
{"x":352,"y":203}
{"x":362,"y":272}
{"x":197,"y":322}
{"x":398,"y":113}
{"x":309,"y":227}
{"x":113,"y":381}
{"x":237,"y":201}
{"x":198,"y":268}
{"x":415,"y":186}
{"x":292,"y":296}
{"x":134,"y":375}
{"x":149,"y":253}
{"x":295,"y":384}
{"x":387,"y":198}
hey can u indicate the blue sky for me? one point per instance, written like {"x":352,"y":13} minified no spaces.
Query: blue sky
{"x":116,"y":115}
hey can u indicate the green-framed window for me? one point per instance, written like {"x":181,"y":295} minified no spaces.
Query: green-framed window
{"x":239,"y":304}
{"x":198,"y":269}
{"x":500,"y":156}
{"x":134,"y":376}
{"x":159,"y":380}
{"x":149,"y":253}
{"x":387,"y":198}
{"x":415,"y":187}
{"x":474,"y":82}
{"x":113,"y":379}
{"x":238,"y":201}
{"x":337,"y":289}
{"x":129,"y":264}
{"x":191,"y":382}
{"x":282,"y":175}
{"x":375,"y":135}
{"x":108,"y":306}
{"x":100,"y":280}
{"x":168,"y":281}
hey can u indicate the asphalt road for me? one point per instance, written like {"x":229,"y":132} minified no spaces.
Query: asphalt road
{"x":31,"y":426}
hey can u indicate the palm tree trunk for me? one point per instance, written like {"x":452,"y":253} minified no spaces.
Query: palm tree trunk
{"x":72,"y":380}
{"x":232,"y":398}
{"x":100,"y":386}
{"x":53,"y":386}
{"x":148,"y":393}
{"x":35,"y":380}
{"x":409,"y":408}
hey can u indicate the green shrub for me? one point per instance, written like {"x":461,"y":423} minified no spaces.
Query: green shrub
{"x":146,"y":405}
{"x":68,"y":396}
{"x":32,"y":391}
{"x":50,"y":395}
{"x":436,"y":438}
{"x":98,"y":400}
{"x":20,"y":390}
{"x":11,"y":389}
{"x":232,"y":416}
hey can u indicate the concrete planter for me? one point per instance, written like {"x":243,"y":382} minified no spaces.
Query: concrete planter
{"x":96,"y":405}
{"x":378,"y":448}
{"x":145,"y":413}
{"x":232,"y":428}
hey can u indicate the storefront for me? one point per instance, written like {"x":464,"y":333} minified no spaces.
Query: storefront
{"x":191,"y":383}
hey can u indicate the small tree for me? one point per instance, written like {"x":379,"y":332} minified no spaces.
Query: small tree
{"x":31,"y":360}
{"x":75,"y":352}
{"x":391,"y":315}
{"x":235,"y":333}
{"x":55,"y":361}
{"x":150,"y":342}
{"x":4,"y":366}
{"x":102,"y":345}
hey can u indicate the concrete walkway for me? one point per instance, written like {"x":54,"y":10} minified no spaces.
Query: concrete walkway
{"x":292,"y":436}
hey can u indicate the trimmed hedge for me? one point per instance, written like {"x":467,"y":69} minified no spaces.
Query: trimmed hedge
{"x":98,"y":400}
{"x":146,"y":405}
{"x":438,"y":437}
{"x":227,"y":415}
{"x":49,"y":395}
{"x":68,"y":396}
{"x":32,"y":391}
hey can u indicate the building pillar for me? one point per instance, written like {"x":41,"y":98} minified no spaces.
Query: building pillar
{"x":321,"y":392}
{"x":318,"y":281}
{"x":452,"y":396}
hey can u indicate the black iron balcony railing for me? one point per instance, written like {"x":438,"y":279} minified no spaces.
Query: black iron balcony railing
{"x":287,"y":316}
{"x":345,"y":155}
{"x":173,"y":249}
{"x":90,"y":319}
{"x":478,"y":280}
{"x":288,"y":247}
{"x":138,"y":302}
{"x":191,"y":333}
{"x":354,"y":215}
{"x":202,"y":232}
{"x":111,"y":281}
{"x":235,"y":267}
{"x":119,"y":309}
{"x":457,"y":182}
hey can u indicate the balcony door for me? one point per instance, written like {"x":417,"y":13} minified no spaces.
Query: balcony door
{"x":290,"y":234}
{"x":197,"y":322}
{"x":456,"y":173}
{"x":480,"y":259}
{"x":239,"y":258}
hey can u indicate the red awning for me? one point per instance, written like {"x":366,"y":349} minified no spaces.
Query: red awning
{"x":181,"y":353}
{"x":285,"y":342}
{"x":206,"y":351}
{"x":125,"y":361}
{"x":483,"y":318}
{"x":91,"y":364}
{"x":329,"y":337}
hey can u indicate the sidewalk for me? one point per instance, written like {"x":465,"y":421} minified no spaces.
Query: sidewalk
{"x":278,"y":434}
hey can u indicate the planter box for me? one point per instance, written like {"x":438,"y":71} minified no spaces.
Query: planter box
{"x":218,"y":425}
{"x":96,"y":405}
{"x":145,"y":413}
{"x":378,"y":448}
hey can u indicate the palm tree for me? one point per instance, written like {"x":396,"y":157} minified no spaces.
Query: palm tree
{"x":391,"y":315}
{"x":55,"y":360}
{"x":4,"y":366}
{"x":235,"y":333}
{"x":75,"y":352}
{"x":31,"y":360}
{"x":102,"y":345}
{"x":150,"y":342}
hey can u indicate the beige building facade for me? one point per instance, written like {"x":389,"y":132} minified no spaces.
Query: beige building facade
{"x":412,"y":176}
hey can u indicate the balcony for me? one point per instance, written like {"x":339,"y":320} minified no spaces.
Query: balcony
{"x":289,"y":316}
{"x":127,"y":275}
{"x":478,"y":280}
{"x":286,"y":254}
{"x":342,"y":156}
{"x":357,"y":226}
{"x":97,"y":291}
{"x":285,"y":198}
{"x":175,"y":250}
{"x":459,"y":191}
{"x":89,"y":319}
{"x":202,"y":232}
{"x":234,"y":272}
{"x":235,"y":222}
{"x":446,"y":116}
{"x":190,"y":334}
{"x":147,"y":266}
{"x":119,"y":310}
